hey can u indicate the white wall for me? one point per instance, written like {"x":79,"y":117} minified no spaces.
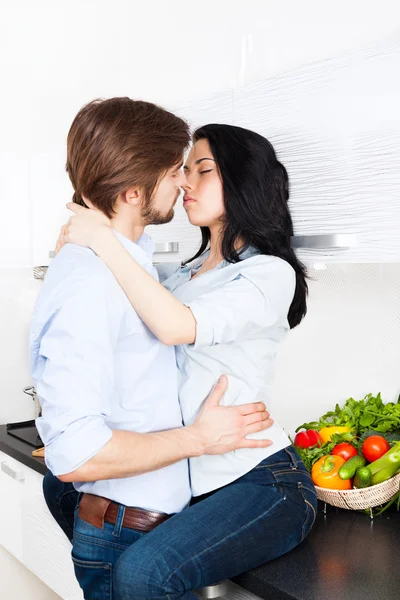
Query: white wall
{"x":348,"y":345}
{"x":18,"y":290}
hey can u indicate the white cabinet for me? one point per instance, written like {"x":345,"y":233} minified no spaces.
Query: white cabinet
{"x":46,"y":550}
{"x":29,"y":532}
{"x":12,"y":478}
{"x":335,"y":126}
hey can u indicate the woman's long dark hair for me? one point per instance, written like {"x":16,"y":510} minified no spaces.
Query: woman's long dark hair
{"x":256,"y":193}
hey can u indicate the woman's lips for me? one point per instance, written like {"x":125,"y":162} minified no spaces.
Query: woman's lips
{"x":187,"y":200}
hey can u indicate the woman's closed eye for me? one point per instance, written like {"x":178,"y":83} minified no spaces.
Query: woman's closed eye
{"x":207,"y":171}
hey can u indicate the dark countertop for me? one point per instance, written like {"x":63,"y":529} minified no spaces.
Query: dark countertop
{"x":20,"y":451}
{"x":347,"y":556}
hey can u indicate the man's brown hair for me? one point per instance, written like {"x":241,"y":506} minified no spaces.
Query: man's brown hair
{"x":120,"y":143}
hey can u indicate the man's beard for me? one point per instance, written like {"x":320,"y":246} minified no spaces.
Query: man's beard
{"x":152,"y":216}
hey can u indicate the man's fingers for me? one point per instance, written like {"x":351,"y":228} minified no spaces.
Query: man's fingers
{"x":256,"y":418}
{"x":255,"y":443}
{"x":248,"y":409}
{"x":88,"y":203}
{"x":75,"y":208}
{"x":219,"y":390}
{"x":259,"y":426}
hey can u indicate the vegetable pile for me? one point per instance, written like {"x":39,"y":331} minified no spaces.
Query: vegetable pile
{"x":355,"y":446}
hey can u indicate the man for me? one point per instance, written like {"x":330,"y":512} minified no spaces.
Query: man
{"x":111,"y":420}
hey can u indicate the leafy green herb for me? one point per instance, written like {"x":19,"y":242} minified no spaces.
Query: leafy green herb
{"x":361,"y":416}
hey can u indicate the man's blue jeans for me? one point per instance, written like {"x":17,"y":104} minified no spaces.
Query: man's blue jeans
{"x":257,"y":518}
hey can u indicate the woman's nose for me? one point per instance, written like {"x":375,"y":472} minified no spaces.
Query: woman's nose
{"x":189,"y":183}
{"x":186,"y":185}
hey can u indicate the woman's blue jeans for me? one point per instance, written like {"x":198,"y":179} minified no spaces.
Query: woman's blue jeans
{"x":257,"y":518}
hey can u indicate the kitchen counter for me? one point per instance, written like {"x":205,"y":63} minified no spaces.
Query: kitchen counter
{"x":20,"y":451}
{"x":347,"y":556}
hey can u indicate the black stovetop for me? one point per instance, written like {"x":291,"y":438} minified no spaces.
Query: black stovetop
{"x":25,"y":431}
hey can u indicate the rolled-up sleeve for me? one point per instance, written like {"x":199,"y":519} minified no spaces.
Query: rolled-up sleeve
{"x":258,"y":297}
{"x":75,"y":376}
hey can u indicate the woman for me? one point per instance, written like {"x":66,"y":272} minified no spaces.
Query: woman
{"x":225,"y":310}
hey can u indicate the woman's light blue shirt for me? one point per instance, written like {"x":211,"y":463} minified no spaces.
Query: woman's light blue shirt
{"x":241,"y":314}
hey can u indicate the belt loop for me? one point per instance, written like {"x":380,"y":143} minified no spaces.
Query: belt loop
{"x":293,"y":460}
{"x":80,"y":494}
{"x":119,"y":520}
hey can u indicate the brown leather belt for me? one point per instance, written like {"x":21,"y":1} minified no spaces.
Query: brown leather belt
{"x":96,"y":510}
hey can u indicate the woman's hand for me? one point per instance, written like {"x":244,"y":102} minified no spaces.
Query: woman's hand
{"x":86,"y":228}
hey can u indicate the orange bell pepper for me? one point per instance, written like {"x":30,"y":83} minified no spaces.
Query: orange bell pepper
{"x":325,"y":473}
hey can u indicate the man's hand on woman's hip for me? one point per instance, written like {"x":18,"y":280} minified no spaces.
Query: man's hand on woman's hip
{"x":221,"y":429}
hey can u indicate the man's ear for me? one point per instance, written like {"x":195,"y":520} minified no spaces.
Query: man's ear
{"x":133,"y":196}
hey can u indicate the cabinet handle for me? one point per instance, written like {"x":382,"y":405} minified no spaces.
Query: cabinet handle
{"x":166,"y":247}
{"x":326,"y":241}
{"x":8,"y":470}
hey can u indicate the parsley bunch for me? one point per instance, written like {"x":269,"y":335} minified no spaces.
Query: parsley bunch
{"x":361,"y":416}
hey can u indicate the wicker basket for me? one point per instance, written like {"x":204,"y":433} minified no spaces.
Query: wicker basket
{"x":359,"y":499}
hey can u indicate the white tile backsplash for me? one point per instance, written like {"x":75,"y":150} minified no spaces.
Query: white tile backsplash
{"x":348,"y":345}
{"x":18,"y":291}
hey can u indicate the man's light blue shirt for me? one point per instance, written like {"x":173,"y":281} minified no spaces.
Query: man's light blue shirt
{"x":97,"y":368}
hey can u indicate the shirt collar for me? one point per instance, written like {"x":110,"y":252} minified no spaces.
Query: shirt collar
{"x":251,"y":251}
{"x":194,"y":265}
{"x":142,"y":250}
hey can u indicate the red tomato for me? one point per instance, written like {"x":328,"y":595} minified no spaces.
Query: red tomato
{"x":374,"y":447}
{"x":344,"y":450}
{"x":306,"y":439}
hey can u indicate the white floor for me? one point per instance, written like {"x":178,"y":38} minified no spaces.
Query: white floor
{"x":18,"y":583}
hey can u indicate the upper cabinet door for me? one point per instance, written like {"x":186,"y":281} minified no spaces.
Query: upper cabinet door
{"x":336,"y":127}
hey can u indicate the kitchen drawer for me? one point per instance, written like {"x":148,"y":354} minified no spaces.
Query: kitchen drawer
{"x":46,"y":550}
{"x":12,"y":482}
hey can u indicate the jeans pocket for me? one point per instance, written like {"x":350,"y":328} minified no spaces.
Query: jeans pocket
{"x":94,"y":578}
{"x":311,"y":504}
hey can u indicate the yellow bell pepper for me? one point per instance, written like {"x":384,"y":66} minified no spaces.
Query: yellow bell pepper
{"x":326,"y":433}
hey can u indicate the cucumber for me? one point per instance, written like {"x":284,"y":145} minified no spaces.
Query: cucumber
{"x":348,"y":470}
{"x":383,"y":475}
{"x":362,"y":478}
